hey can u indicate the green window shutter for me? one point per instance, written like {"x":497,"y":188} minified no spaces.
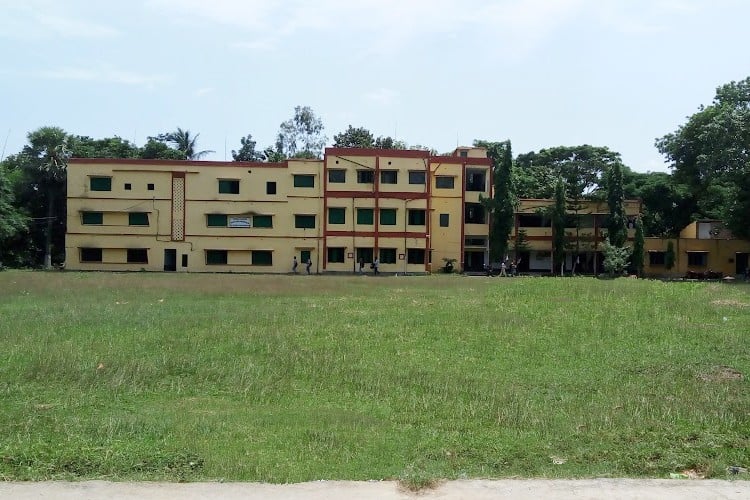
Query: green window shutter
{"x":229,"y":186}
{"x":304,"y":221}
{"x":336,"y":254}
{"x":387,"y":255}
{"x":216,"y":220}
{"x":336,"y":215}
{"x":304,"y":181}
{"x":100,"y":183}
{"x":262,"y":221}
{"x":416,"y":217}
{"x":304,"y":256}
{"x":365,"y":216}
{"x":138,"y":218}
{"x":216,"y":257}
{"x":388,"y":216}
{"x":92,"y":218}
{"x":262,"y":258}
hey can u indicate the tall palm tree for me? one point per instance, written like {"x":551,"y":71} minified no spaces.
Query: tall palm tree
{"x":186,"y":143}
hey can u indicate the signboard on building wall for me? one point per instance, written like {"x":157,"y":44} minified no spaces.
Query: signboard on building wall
{"x":240,"y":222}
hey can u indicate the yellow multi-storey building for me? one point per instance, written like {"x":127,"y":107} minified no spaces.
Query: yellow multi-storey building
{"x":406,"y":209}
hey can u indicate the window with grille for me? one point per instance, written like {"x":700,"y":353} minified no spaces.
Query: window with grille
{"x":365,"y":177}
{"x":416,"y":217}
{"x":416,"y":177}
{"x":336,"y":176}
{"x":389,"y":176}
{"x":387,"y":255}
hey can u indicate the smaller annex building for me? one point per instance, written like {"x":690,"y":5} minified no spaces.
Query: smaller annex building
{"x":406,"y":209}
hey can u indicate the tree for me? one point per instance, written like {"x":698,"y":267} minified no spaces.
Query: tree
{"x":558,"y":226}
{"x":636,"y":258}
{"x":615,"y":258}
{"x":44,"y":161}
{"x":109,"y":147}
{"x":669,"y":256}
{"x":710,"y":153}
{"x":502,"y":206}
{"x":389,"y":143}
{"x":617,"y":226}
{"x":247,"y":150}
{"x":352,"y":137}
{"x":302,"y":135}
{"x":184,"y":142}
{"x":158,"y":150}
{"x":12,"y":220}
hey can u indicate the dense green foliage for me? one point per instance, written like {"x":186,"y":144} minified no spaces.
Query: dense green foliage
{"x":636,"y":258}
{"x":617,"y":229}
{"x":254,"y":378}
{"x":559,"y":239}
{"x":502,"y":205}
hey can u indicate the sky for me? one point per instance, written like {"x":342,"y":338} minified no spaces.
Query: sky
{"x":438,"y":73}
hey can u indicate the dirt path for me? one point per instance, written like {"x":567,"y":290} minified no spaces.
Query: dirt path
{"x":611,"y":489}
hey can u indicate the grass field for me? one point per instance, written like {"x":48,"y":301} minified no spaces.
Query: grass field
{"x":295,"y":378}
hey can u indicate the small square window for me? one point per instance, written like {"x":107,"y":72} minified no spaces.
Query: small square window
{"x":416,"y":217}
{"x":444,"y":220}
{"x":364,"y":255}
{"x":415,"y":255}
{"x":416,"y":177}
{"x":336,"y":254}
{"x":657,"y":258}
{"x":271,"y":187}
{"x":128,"y":186}
{"x":336,"y":176}
{"x":365,"y":216}
{"x":389,"y":176}
{"x":229,"y":186}
{"x":138,"y":219}
{"x":387,"y":255}
{"x":137,"y":256}
{"x":150,"y":187}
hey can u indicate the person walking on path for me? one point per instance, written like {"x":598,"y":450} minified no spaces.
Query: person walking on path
{"x":308,"y":265}
{"x":502,"y":269}
{"x":361,"y":265}
{"x":294,"y":264}
{"x":375,"y":265}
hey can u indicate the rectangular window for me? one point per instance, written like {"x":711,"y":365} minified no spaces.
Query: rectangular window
{"x":304,"y":221}
{"x":474,"y":214}
{"x":336,"y":254}
{"x":128,"y":186}
{"x":92,"y":218}
{"x":137,"y":256}
{"x":150,"y":187}
{"x":216,"y":220}
{"x":697,"y":259}
{"x":138,"y":218}
{"x":416,"y":217}
{"x":261,"y":258}
{"x":365,"y":255}
{"x":100,"y":183}
{"x":463,"y":153}
{"x":216,"y":257}
{"x":229,"y":186}
{"x":657,"y":258}
{"x":365,"y":216}
{"x":388,"y":216}
{"x":91,"y":254}
{"x":184,"y":260}
{"x":534,"y":220}
{"x":416,"y":177}
{"x":336,"y":176}
{"x":262,"y":221}
{"x":472,"y":241}
{"x":304,"y":256}
{"x":389,"y":176}
{"x":445,"y":220}
{"x":304,"y":181}
{"x":387,"y":255}
{"x":336,"y":215}
{"x":271,"y":187}
{"x":365,"y":177}
{"x":444,"y":182}
{"x":475,"y":181}
{"x":415,"y":255}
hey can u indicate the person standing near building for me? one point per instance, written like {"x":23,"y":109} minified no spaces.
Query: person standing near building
{"x":294,"y":264}
{"x":361,"y":265}
{"x":375,"y":265}
{"x":308,"y":265}
{"x":502,"y":269}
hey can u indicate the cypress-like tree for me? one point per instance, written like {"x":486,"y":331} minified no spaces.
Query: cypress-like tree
{"x":636,"y":258}
{"x":617,"y":227}
{"x":669,"y":256}
{"x":558,"y":227}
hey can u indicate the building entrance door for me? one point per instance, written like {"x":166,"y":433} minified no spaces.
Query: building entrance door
{"x":170,"y":259}
{"x":741,"y":260}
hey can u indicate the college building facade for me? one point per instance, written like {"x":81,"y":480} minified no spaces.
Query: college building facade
{"x":407,"y":208}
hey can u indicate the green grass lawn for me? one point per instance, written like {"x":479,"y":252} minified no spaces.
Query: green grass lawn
{"x":296,"y":378}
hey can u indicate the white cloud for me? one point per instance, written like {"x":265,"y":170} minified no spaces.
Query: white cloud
{"x":103,"y":75}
